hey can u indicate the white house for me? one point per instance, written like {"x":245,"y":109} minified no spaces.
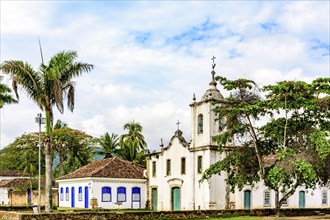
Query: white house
{"x":113,"y":182}
{"x":175,"y":170}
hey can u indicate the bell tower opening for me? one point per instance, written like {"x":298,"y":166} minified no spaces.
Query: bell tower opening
{"x":200,"y":124}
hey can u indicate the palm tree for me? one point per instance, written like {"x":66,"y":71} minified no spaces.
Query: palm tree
{"x":134,"y":135}
{"x":5,"y":97}
{"x":109,"y":145}
{"x":60,"y":124}
{"x":132,"y":145}
{"x":48,"y":86}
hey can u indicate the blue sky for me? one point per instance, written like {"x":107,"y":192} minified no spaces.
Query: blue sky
{"x":150,"y":57}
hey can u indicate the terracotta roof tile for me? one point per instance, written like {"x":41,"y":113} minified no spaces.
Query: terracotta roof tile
{"x":12,"y":173}
{"x":110,"y":168}
{"x":13,"y":182}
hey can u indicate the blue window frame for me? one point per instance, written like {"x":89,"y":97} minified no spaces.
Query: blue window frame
{"x":106,"y":194}
{"x":121,"y":194}
{"x":67,"y":193}
{"x":80,"y":193}
{"x":62,"y":194}
{"x":136,"y":194}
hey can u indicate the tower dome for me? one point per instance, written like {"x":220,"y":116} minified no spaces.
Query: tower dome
{"x":212,"y":93}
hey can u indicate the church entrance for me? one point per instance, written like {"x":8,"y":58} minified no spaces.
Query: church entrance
{"x":154,"y":199}
{"x":247,"y":199}
{"x":176,"y":199}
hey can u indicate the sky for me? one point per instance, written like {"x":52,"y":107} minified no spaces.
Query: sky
{"x":150,"y":57}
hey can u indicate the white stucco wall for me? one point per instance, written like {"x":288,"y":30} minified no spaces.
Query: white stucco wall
{"x":4,"y":195}
{"x":95,"y":191}
{"x":313,"y":198}
{"x":164,"y":183}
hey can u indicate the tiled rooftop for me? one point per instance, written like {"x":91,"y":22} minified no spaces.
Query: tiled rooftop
{"x":110,"y":168}
{"x":13,"y":182}
{"x":12,"y":173}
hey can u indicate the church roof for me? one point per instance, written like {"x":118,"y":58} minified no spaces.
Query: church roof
{"x":109,"y":168}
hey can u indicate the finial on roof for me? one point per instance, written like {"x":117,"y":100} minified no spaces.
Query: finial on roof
{"x":161,"y":143}
{"x":194,"y":97}
{"x":213,"y":72}
{"x":178,"y":124}
{"x":213,"y":64}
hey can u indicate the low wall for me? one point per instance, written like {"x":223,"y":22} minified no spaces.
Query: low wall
{"x":102,"y":215}
{"x":22,"y":198}
{"x":8,"y":215}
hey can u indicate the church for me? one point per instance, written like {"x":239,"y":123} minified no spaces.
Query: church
{"x":174,"y":171}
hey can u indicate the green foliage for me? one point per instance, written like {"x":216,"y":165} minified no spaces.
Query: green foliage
{"x":22,"y":154}
{"x":109,"y":145}
{"x":290,"y":148}
{"x":319,"y":141}
{"x":130,"y":146}
{"x":74,"y":148}
{"x":5,"y":96}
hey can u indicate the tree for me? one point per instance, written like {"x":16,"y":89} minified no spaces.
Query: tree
{"x":5,"y":96}
{"x":290,"y":149}
{"x":132,"y":145}
{"x":134,"y":135}
{"x":109,"y":145}
{"x":48,"y":86}
{"x":22,"y":154}
{"x":74,"y":148}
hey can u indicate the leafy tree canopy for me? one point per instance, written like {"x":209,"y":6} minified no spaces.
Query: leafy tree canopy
{"x":279,"y":134}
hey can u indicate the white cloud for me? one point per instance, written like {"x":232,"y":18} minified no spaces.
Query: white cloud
{"x":150,"y":57}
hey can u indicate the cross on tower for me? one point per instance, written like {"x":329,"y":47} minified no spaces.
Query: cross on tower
{"x":178,"y":124}
{"x":213,"y":58}
{"x":213,"y":65}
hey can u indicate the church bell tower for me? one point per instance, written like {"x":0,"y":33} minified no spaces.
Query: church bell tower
{"x":204,"y":125}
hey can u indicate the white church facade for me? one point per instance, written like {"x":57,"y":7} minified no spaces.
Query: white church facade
{"x":174,"y":171}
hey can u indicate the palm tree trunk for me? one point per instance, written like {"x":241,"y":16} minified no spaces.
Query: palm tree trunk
{"x":48,"y":167}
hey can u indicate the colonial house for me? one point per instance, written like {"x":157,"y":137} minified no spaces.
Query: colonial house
{"x":174,"y":171}
{"x":110,"y":183}
{"x":10,"y":179}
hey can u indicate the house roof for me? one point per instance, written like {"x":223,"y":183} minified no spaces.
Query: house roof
{"x":109,"y":168}
{"x":12,"y":173}
{"x":13,"y":182}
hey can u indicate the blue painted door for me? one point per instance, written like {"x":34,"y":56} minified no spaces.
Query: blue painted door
{"x":72,"y":197}
{"x":301,"y":199}
{"x":247,"y":199}
{"x":86,"y":197}
{"x":176,"y":199}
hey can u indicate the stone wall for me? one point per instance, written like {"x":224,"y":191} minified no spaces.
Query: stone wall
{"x":102,"y":215}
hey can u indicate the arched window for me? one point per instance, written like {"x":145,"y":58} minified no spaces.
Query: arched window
{"x":200,"y":124}
{"x":121,"y":194}
{"x":62,"y":194}
{"x":136,"y":192}
{"x":80,"y":193}
{"x":106,"y":194}
{"x":67,"y":193}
